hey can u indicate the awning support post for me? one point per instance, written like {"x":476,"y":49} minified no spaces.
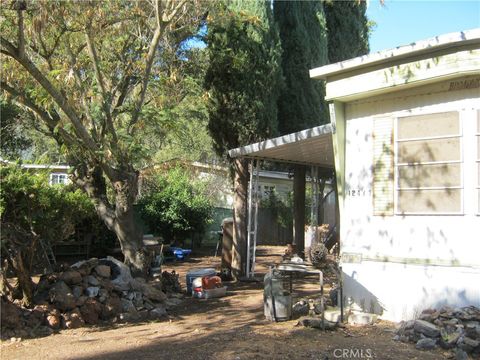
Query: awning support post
{"x":252,"y":225}
{"x":314,"y":208}
{"x":249,"y":224}
{"x":255,"y":227}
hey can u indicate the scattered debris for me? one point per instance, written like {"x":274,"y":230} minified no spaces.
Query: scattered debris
{"x":448,"y":327}
{"x":170,"y":282}
{"x":316,"y":322}
{"x":362,"y":318}
{"x":90,"y":292}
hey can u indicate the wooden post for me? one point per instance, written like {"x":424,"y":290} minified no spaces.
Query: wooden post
{"x":299,"y":209}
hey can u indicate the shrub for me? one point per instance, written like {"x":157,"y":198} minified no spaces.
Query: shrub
{"x":31,"y":210}
{"x":175,"y":206}
{"x":281,"y":209}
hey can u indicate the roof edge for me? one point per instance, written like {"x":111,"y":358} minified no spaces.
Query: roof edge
{"x":281,"y":140}
{"x":416,"y":48}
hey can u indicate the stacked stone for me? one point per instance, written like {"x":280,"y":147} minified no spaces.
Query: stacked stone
{"x":89,"y":292}
{"x":450,"y":328}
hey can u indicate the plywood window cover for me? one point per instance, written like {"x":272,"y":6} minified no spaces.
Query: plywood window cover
{"x":446,"y":202}
{"x":425,"y":163}
{"x":456,"y":178}
{"x":449,"y":148}
{"x":428,"y":126}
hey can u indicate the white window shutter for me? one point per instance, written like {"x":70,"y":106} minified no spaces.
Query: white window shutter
{"x":383,"y":167}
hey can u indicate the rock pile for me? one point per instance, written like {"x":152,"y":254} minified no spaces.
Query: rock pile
{"x":450,"y":328}
{"x":88,"y":292}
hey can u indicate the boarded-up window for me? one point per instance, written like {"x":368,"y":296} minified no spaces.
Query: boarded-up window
{"x":383,"y":169}
{"x":429,"y":164}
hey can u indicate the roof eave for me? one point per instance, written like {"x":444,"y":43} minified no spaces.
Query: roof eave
{"x":441,"y":42}
{"x":245,"y":151}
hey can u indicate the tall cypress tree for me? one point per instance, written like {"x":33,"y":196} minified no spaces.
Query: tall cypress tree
{"x":243,"y":83}
{"x":301,"y":105}
{"x":313,"y":33}
{"x":347,"y":25}
{"x":303,"y":35}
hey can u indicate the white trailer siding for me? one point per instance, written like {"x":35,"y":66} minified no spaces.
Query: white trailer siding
{"x":398,"y":264}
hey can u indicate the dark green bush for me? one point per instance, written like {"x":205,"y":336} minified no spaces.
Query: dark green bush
{"x":175,"y":206}
{"x":28,"y":205}
{"x":31,"y":210}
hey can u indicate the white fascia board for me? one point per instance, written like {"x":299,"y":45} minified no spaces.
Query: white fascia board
{"x":408,"y":74}
{"x":35,"y":166}
{"x":251,"y":149}
{"x":266,"y":174}
{"x":386,"y":56}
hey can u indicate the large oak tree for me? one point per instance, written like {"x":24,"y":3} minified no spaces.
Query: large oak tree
{"x":89,"y":72}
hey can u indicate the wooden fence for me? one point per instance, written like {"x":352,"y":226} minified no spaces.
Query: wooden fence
{"x":270,"y":232}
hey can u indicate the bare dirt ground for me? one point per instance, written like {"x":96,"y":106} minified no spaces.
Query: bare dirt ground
{"x":232,"y":327}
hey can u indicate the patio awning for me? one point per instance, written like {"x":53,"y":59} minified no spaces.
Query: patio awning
{"x":312,"y":147}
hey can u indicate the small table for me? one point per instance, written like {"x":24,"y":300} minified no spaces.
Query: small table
{"x":290,"y":268}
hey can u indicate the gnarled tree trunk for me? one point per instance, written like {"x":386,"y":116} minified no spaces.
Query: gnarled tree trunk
{"x":128,"y":232}
{"x":118,"y":217}
{"x":24,"y":281}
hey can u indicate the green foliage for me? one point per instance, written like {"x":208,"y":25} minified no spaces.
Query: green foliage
{"x":313,"y":34}
{"x":13,"y":138}
{"x":244,"y":76}
{"x":175,"y":206}
{"x":303,"y":34}
{"x":280,"y":209}
{"x":31,"y":209}
{"x":348,"y":29}
{"x":23,"y":137}
{"x":187,"y":137}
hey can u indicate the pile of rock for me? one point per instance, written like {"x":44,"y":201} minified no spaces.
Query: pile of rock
{"x":88,"y":292}
{"x":449,"y":328}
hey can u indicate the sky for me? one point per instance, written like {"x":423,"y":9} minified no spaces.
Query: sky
{"x":401,"y":22}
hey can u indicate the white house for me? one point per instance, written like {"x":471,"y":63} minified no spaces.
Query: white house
{"x":406,"y":138}
{"x":58,"y":173}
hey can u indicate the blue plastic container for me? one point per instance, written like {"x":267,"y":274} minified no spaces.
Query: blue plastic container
{"x":180,"y":253}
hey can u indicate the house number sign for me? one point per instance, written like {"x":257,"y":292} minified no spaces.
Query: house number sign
{"x":359,"y":192}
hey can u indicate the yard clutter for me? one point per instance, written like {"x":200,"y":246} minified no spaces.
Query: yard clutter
{"x":449,"y":328}
{"x":204,"y":284}
{"x":208,"y":287}
{"x":90,"y":292}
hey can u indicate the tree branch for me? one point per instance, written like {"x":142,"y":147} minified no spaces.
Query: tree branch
{"x":96,"y":64}
{"x":173,"y":13}
{"x":78,"y":81}
{"x":21,"y":34}
{"x":105,"y":100}
{"x":50,"y":119}
{"x":148,"y":68}
{"x":123,"y":88}
{"x":57,"y":96}
{"x":91,"y":180}
{"x":163,"y":19}
{"x":8,"y":48}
